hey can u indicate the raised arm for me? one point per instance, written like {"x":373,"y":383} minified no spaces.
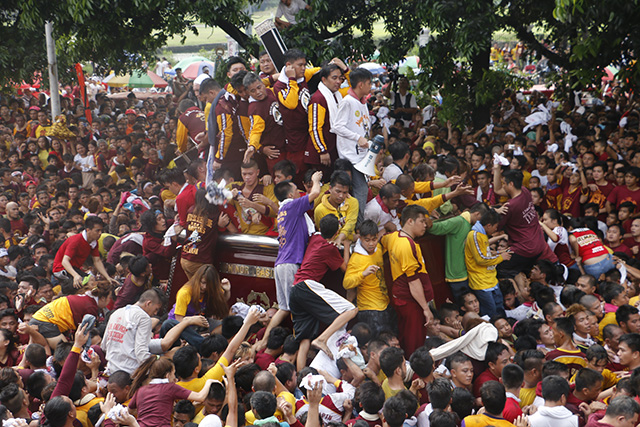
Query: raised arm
{"x":252,"y":317}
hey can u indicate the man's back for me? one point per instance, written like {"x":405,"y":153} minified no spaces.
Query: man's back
{"x":126,"y":339}
{"x":485,"y":420}
{"x":557,"y":416}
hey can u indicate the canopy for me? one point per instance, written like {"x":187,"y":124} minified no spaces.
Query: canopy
{"x":374,"y":67}
{"x":194,"y":69}
{"x":135,"y":79}
{"x":184,"y":63}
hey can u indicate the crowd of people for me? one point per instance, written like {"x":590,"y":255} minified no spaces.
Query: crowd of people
{"x":537,"y":213}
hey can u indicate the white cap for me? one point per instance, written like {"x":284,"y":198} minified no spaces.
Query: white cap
{"x":3,"y":252}
{"x":202,"y":77}
{"x":210,"y":421}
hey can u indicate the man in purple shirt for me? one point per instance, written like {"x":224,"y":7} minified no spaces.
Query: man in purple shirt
{"x":294,"y":228}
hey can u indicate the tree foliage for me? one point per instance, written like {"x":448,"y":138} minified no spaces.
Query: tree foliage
{"x":118,"y":34}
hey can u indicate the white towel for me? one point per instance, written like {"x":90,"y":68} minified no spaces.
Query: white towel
{"x":473,"y":343}
{"x":332,"y":104}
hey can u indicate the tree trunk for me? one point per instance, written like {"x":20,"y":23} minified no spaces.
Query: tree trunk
{"x":481,"y":113}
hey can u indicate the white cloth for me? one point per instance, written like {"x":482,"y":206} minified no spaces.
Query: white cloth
{"x":499,"y":160}
{"x":473,"y":343}
{"x":352,"y":123}
{"x":332,"y":99}
{"x":540,"y":117}
{"x":543,"y":179}
{"x":290,"y":12}
{"x":558,"y":416}
{"x":85,"y":163}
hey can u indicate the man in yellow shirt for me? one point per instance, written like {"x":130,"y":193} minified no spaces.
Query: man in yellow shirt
{"x":481,"y":264}
{"x":412,"y":288}
{"x":188,"y":363}
{"x":365,"y":274}
{"x":341,"y":204}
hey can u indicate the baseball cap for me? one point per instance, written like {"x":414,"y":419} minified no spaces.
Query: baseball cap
{"x":3,"y":252}
{"x":29,"y":183}
{"x":34,"y":108}
{"x":130,"y":111}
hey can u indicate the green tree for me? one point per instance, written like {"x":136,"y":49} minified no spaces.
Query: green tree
{"x":581,"y":37}
{"x":116,"y":34}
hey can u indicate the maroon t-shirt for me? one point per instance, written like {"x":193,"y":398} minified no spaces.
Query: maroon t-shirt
{"x":521,"y":223}
{"x":320,"y":257}
{"x":154,"y":403}
{"x":622,"y":194}
{"x":263,"y":360}
{"x":202,"y":235}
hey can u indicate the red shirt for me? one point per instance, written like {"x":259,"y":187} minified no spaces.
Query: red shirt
{"x":588,"y":244}
{"x":570,"y":199}
{"x":622,"y":248}
{"x":159,"y":256}
{"x":320,"y":257}
{"x":202,"y":235}
{"x":78,"y":249}
{"x":185,"y":200}
{"x":487,"y":375}
{"x":622,"y":194}
{"x":511,"y":410}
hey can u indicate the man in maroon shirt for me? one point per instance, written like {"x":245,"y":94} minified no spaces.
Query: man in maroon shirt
{"x":520,"y":221}
{"x":310,"y":302}
{"x":17,"y":225}
{"x":496,"y":357}
{"x":74,"y":252}
{"x":629,"y":192}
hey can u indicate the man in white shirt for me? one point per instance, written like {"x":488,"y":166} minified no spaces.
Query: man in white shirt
{"x":402,"y":103}
{"x":555,"y":391}
{"x":127,"y":339}
{"x":382,"y":209}
{"x":289,"y":9}
{"x":400,"y":153}
{"x":352,"y":128}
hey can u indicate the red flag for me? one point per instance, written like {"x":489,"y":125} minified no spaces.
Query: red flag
{"x":83,"y":92}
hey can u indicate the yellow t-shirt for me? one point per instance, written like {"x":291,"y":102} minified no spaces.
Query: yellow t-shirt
{"x":372,"y":290}
{"x":244,"y":215}
{"x":57,"y":312}
{"x":388,"y":391}
{"x":250,"y":417}
{"x":215,"y":373}
{"x":609,"y":379}
{"x":347,"y":214}
{"x":527,"y":396}
{"x":401,"y":256}
{"x":183,"y":299}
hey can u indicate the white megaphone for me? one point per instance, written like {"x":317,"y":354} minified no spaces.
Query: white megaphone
{"x":367,"y":165}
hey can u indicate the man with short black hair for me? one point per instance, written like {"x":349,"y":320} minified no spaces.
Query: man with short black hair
{"x":340,"y":203}
{"x":629,"y":351}
{"x":555,"y":392}
{"x":412,"y":290}
{"x":352,"y":127}
{"x":382,"y":209}
{"x":494,"y":398}
{"x":520,"y":221}
{"x":622,"y":411}
{"x":229,"y":142}
{"x":496,"y":357}
{"x":74,"y":252}
{"x":136,"y":282}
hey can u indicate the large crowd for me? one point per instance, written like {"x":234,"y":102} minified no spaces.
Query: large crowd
{"x":537,"y":213}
